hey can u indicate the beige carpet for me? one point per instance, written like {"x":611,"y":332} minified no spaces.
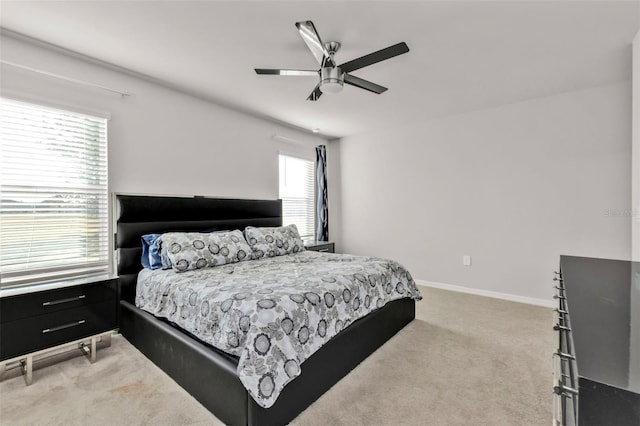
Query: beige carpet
{"x":465,"y":360}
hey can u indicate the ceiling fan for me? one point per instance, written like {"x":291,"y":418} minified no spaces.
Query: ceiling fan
{"x":332,"y":76}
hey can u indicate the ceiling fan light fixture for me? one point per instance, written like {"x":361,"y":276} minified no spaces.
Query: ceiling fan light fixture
{"x":331,"y":80}
{"x":331,"y":86}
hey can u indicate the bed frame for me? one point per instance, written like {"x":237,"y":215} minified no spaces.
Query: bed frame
{"x":205,"y":372}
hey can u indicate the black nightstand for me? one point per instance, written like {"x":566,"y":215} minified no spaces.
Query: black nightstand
{"x":323,"y":246}
{"x":33,"y":323}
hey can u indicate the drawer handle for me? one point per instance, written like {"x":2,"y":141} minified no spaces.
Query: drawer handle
{"x":324,"y":250}
{"x":57,"y":302}
{"x":62,"y":327}
{"x":564,"y":355}
{"x":561,"y":389}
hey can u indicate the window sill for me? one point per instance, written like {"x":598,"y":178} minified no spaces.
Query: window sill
{"x":51,"y":285}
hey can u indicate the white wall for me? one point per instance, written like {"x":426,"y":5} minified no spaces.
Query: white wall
{"x":513,"y":186}
{"x":160,"y":140}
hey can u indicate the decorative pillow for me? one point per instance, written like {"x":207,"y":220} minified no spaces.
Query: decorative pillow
{"x":164,"y":255}
{"x":276,"y":241}
{"x":195,"y":250}
{"x":151,"y":258}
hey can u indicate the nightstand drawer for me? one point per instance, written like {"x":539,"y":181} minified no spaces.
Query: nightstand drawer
{"x":322,"y":246}
{"x":45,"y":302}
{"x":39,"y":332}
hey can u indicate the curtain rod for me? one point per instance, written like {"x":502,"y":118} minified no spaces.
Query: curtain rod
{"x":62,"y":77}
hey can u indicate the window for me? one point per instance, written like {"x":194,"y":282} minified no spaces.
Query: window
{"x":53,"y":194}
{"x":297,"y":194}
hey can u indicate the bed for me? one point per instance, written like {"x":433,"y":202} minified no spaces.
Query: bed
{"x":207,"y":373}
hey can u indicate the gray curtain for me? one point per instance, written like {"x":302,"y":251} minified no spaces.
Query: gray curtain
{"x":322,"y":211}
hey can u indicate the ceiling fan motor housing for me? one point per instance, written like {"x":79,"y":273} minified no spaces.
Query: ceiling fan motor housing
{"x":331,"y":79}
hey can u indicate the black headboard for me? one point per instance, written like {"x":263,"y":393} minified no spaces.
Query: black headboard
{"x":138,"y":215}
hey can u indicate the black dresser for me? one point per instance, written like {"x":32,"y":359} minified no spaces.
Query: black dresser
{"x":597,"y":365}
{"x":33,"y":322}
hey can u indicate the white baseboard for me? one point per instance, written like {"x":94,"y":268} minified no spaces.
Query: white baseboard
{"x":488,"y":293}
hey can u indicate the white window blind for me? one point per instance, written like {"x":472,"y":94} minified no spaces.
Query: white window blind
{"x":53,"y":194}
{"x":297,"y":194}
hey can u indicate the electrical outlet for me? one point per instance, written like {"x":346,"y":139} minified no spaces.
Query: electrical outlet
{"x":466,"y":260}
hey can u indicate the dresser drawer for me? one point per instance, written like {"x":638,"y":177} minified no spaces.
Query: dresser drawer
{"x":45,"y":302}
{"x":39,"y":332}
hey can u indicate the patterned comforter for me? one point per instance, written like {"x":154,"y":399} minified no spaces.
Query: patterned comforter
{"x":273,"y":313}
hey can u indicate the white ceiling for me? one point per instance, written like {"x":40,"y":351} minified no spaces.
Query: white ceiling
{"x":465,"y":55}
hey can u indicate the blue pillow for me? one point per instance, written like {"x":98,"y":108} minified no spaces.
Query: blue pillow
{"x":151,"y":251}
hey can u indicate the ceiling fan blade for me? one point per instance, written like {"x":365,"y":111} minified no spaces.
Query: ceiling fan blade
{"x":315,"y":95}
{"x":372,"y":58}
{"x":303,"y":73}
{"x":364,"y":84}
{"x":311,"y":37}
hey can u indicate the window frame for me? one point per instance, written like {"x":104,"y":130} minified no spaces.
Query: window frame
{"x":78,"y":272}
{"x":311,"y":160}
